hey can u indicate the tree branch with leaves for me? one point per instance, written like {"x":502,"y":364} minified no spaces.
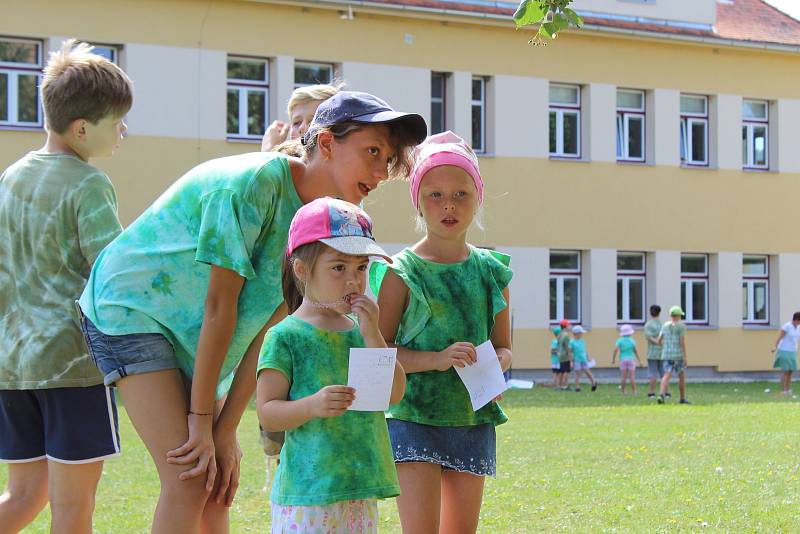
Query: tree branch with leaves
{"x":551,"y":17}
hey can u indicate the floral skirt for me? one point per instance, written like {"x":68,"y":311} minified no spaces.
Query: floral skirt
{"x":467,"y":449}
{"x":344,"y":517}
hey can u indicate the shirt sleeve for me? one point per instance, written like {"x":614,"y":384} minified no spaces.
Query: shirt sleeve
{"x":275,"y":354}
{"x":226,"y":239}
{"x":788,"y":329}
{"x":98,"y":222}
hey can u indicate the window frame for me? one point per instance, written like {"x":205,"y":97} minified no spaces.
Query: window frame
{"x":13,"y":71}
{"x":115,"y":49}
{"x":559,"y":276}
{"x":625,"y":276}
{"x":688,"y":281}
{"x":749,"y":281}
{"x":687,"y":119}
{"x":482,"y":105}
{"x":748,"y":128}
{"x":299,"y":63}
{"x":442,"y":100}
{"x":245,"y":87}
{"x":623,"y":129}
{"x":560,"y":109}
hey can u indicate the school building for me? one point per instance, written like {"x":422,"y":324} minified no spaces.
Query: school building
{"x":650,"y":157}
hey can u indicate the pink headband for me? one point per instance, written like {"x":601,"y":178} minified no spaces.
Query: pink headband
{"x":444,"y":148}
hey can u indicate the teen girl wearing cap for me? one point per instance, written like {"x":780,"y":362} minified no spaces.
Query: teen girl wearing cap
{"x":625,"y":348}
{"x":335,"y":463}
{"x":439,"y":299}
{"x":176,"y":307}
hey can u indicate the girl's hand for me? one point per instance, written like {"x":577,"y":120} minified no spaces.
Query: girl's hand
{"x":332,"y":401}
{"x":276,"y":133}
{"x":229,"y":456}
{"x":459,"y":354}
{"x":366,"y":310}
{"x":199,"y":449}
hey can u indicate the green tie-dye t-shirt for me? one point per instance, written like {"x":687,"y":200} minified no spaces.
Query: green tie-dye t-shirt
{"x":230,"y":212}
{"x":671,"y":334}
{"x":447,"y":303}
{"x":56,"y":215}
{"x":326,"y":459}
{"x":652,"y":329}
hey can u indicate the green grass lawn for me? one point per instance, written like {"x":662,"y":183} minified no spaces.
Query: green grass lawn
{"x":572,"y":462}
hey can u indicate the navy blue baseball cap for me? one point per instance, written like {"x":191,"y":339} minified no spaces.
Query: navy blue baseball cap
{"x":354,"y":106}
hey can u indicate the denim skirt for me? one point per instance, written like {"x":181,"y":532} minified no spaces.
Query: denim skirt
{"x":466,"y":449}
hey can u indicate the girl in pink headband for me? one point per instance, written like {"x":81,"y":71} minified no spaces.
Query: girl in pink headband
{"x":440,"y":299}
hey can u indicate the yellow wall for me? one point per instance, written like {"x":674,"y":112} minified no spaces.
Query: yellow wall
{"x":319,"y":34}
{"x":530,"y":202}
{"x":728,"y":349}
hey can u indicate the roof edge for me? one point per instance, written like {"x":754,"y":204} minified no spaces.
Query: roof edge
{"x":477,"y":17}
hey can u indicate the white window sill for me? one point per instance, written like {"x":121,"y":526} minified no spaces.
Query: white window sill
{"x":21,"y":128}
{"x":246,"y":140}
{"x":701,"y":327}
{"x":568,"y":158}
{"x":759,"y":327}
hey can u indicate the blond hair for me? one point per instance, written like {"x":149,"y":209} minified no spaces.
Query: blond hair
{"x":312,"y":93}
{"x":78,"y":84}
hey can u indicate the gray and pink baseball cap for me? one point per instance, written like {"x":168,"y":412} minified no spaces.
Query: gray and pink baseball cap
{"x":339,"y":224}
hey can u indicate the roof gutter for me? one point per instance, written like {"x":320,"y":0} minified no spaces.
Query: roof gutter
{"x":493,"y":17}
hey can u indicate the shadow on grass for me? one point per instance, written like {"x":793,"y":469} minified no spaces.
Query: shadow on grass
{"x":609,"y":395}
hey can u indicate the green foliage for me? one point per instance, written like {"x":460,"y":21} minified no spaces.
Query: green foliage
{"x":551,"y":16}
{"x":567,"y":462}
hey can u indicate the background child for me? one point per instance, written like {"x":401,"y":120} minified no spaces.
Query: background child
{"x":673,"y":351}
{"x":57,"y":420}
{"x":564,"y":356}
{"x":335,"y":463}
{"x":302,"y":105}
{"x":186,"y":293}
{"x":580,"y":357}
{"x":440,"y":299}
{"x":625,"y":347}
{"x":786,"y":347}
{"x":555,"y":365}
{"x":655,"y":367}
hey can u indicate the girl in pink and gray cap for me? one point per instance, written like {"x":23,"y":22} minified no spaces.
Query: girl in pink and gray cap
{"x":440,"y":299}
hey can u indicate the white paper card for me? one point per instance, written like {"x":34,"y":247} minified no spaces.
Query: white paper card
{"x":483,"y":379}
{"x":371,"y":373}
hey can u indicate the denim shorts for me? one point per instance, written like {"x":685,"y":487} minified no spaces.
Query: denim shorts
{"x":466,"y":449}
{"x":674,"y":367}
{"x":655,"y":368}
{"x":129,"y":354}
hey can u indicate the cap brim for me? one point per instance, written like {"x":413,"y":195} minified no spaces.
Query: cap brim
{"x":414,"y":122}
{"x":356,"y":246}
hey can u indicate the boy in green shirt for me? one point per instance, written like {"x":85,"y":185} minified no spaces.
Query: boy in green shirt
{"x":655,"y":365}
{"x":564,"y":357}
{"x":57,"y":420}
{"x":673,"y":351}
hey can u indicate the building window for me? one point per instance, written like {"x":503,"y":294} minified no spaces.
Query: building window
{"x":438,"y":102}
{"x":630,"y":287}
{"x":248,"y":97}
{"x":307,"y":73}
{"x":565,"y":286}
{"x":755,"y":134}
{"x":479,"y":114}
{"x":694,"y":287}
{"x":20,"y":74}
{"x":630,"y":125}
{"x":565,"y":121}
{"x":755,"y":290}
{"x":109,"y":52}
{"x":694,"y":130}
